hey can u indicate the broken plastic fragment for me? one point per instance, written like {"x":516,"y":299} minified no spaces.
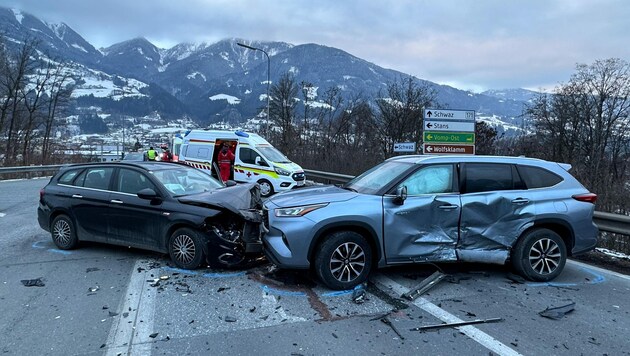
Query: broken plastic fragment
{"x":164,"y":278}
{"x":93,"y":289}
{"x":37,"y":282}
{"x":557,"y":313}
{"x":230,"y":319}
{"x":153,"y":335}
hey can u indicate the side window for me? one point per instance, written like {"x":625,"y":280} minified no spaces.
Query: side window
{"x":536,"y":177}
{"x":131,"y":182}
{"x":97,"y":178}
{"x":68,"y":176}
{"x":484,"y":177}
{"x":198,"y":151}
{"x":247,"y":155}
{"x":430,"y":180}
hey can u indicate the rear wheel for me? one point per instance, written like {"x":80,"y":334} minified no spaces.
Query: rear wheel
{"x":539,"y":255}
{"x":266,"y":188}
{"x":63,"y":233}
{"x":185,"y":248}
{"x":344,"y":260}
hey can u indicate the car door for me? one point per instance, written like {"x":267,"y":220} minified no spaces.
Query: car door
{"x":496,"y":209}
{"x":135,"y":221}
{"x":89,"y":202}
{"x":247,"y":168}
{"x":425,"y":226}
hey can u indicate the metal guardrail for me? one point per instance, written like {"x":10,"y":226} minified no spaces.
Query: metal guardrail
{"x":608,"y":222}
{"x":615,"y":223}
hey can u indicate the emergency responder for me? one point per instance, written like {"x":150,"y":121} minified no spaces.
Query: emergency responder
{"x":151,"y":154}
{"x":225,"y":159}
{"x":166,"y":155}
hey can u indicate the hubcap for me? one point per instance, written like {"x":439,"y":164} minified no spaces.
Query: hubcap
{"x":61,"y":232}
{"x":265,"y":188}
{"x":347,"y":262}
{"x":184,"y":249}
{"x":545,"y":256}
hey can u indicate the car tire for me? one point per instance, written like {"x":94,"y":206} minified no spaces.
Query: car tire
{"x":63,"y":233}
{"x":343,"y":260}
{"x":539,"y":255}
{"x":186,"y":249}
{"x":266,"y":188}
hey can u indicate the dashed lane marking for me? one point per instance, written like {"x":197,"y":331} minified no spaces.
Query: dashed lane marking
{"x":472,"y":332}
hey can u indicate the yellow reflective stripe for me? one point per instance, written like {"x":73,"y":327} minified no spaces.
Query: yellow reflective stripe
{"x":271,"y":174}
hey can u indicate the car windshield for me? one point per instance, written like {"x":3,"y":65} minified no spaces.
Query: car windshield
{"x":186,"y":181}
{"x":272,"y":154}
{"x":374,"y":179}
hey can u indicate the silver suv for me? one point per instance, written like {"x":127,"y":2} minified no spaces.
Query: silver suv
{"x":414,"y":209}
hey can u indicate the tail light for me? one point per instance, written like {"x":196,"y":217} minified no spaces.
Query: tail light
{"x":41,"y":194}
{"x":587,"y":198}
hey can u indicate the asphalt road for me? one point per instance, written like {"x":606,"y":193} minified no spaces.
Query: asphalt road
{"x":101,"y":299}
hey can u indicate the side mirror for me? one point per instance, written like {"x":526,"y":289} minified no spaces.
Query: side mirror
{"x":148,"y":194}
{"x":230,"y":183}
{"x":401,"y":195}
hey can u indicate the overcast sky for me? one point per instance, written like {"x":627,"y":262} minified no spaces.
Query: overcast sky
{"x":469,"y":44}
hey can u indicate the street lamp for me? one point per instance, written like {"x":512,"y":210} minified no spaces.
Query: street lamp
{"x":268,"y":73}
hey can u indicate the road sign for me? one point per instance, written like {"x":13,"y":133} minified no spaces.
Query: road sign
{"x":447,"y":137}
{"x":445,"y":149}
{"x":449,"y":126}
{"x":439,"y":114}
{"x":405,"y":147}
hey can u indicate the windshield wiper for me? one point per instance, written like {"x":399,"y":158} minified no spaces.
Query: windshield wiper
{"x":350,"y":189}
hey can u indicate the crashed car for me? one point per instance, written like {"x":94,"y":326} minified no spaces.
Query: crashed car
{"x":413,"y":209}
{"x":163,"y":207}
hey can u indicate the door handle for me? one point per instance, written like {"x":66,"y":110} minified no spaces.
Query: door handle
{"x":520,"y":201}
{"x":116,"y":201}
{"x":448,"y":207}
{"x":77,"y":196}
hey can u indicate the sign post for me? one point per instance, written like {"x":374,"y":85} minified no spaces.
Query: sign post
{"x":405,"y":147}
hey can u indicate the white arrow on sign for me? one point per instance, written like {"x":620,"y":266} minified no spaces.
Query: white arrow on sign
{"x":452,"y":126}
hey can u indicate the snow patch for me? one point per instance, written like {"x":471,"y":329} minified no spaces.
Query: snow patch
{"x":18,"y":15}
{"x":232,"y":100}
{"x":194,"y":75}
{"x":225,"y":56}
{"x":294,"y":70}
{"x":317,"y":104}
{"x":347,"y":77}
{"x":612,"y":253}
{"x":248,"y":91}
{"x":285,"y":61}
{"x":79,"y":47}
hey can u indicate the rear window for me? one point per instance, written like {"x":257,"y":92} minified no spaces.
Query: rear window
{"x":68,"y":177}
{"x":484,"y":177}
{"x":536,"y":177}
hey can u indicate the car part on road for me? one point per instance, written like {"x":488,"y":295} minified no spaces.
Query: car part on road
{"x":63,"y":234}
{"x":388,"y":322}
{"x":557,"y":313}
{"x":424,"y":286}
{"x":454,"y":325}
{"x":344,"y":260}
{"x":37,"y":282}
{"x":540,"y":255}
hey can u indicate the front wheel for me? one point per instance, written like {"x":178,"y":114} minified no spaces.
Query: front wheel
{"x":344,"y":260}
{"x":185,"y":248}
{"x":63,"y":233}
{"x":539,"y":255}
{"x":266,"y":188}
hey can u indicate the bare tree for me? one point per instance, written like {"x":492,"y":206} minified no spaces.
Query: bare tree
{"x":282,"y":112}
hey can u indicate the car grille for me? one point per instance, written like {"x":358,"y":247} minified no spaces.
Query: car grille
{"x":298,"y":176}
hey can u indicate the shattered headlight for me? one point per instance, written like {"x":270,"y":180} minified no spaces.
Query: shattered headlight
{"x":281,"y":171}
{"x":298,"y":210}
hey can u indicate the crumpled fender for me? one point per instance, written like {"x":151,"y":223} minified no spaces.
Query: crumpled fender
{"x":243,"y":200}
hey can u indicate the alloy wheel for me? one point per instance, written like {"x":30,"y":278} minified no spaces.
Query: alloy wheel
{"x":347,"y":262}
{"x":62,"y":232}
{"x":184,"y":248}
{"x":545,"y":256}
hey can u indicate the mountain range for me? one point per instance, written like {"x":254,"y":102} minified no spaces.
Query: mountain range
{"x":212,"y":82}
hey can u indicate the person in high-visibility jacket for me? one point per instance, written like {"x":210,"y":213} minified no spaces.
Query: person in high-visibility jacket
{"x":151,"y":154}
{"x":225,"y":159}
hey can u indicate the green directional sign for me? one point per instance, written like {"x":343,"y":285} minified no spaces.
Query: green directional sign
{"x":449,"y":137}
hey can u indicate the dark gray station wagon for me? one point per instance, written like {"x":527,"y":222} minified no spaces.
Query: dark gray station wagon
{"x":413,"y":209}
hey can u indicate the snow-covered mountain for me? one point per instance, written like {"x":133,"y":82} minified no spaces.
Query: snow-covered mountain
{"x":215,"y":81}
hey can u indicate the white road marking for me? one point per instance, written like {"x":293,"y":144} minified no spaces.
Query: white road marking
{"x":127,"y":338}
{"x":472,"y":332}
{"x":598,"y":269}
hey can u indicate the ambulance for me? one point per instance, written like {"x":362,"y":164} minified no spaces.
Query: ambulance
{"x":256,"y":160}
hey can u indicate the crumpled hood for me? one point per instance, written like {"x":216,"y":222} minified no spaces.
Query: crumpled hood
{"x":312,"y":195}
{"x":242,"y":199}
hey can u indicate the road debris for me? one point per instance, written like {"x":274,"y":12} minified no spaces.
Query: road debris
{"x":37,"y":282}
{"x":358,"y":295}
{"x":154,"y":335}
{"x":424,"y":286}
{"x":112,"y":314}
{"x":229,"y":319}
{"x":454,"y":325}
{"x":93,"y":289}
{"x":91,"y":269}
{"x":557,"y":313}
{"x":516,"y":278}
{"x":388,"y":322}
{"x":164,"y":278}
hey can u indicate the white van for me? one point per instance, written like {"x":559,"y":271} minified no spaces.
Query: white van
{"x":256,"y":160}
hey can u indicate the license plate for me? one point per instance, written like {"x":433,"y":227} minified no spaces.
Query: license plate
{"x":300,"y":183}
